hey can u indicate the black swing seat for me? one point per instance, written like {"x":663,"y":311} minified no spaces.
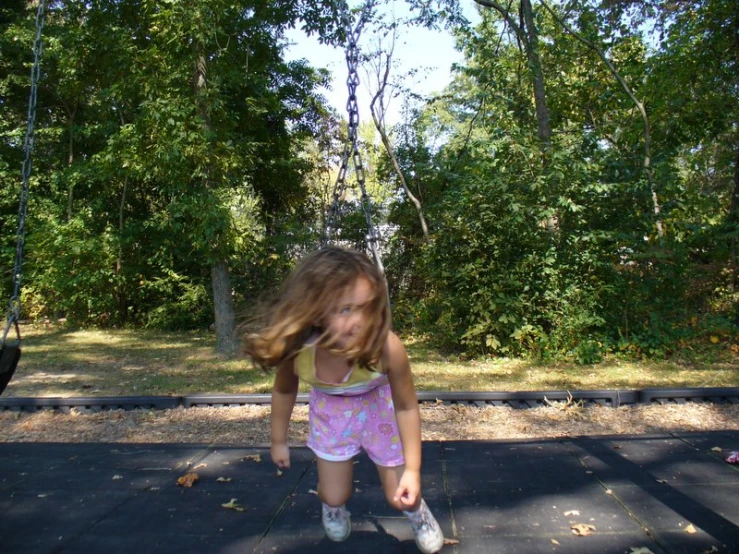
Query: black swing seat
{"x":9,"y":356}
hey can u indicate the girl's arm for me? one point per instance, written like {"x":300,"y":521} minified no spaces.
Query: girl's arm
{"x":284,"y":391}
{"x":407,"y":415}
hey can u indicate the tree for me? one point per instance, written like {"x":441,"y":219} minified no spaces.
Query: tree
{"x":696,"y":72}
{"x":154,"y":138}
{"x":596,"y":280}
{"x":527,"y":35}
{"x":647,"y":164}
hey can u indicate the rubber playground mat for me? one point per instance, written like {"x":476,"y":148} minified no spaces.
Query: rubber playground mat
{"x":659,"y":493}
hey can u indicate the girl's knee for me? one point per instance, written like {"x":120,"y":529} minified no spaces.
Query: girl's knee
{"x":334,"y":496}
{"x":335,"y":481}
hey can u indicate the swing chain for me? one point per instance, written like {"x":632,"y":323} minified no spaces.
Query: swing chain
{"x":14,"y":309}
{"x":351,"y":148}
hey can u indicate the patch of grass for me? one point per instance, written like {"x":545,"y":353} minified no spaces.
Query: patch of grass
{"x":128,"y":362}
{"x":59,"y":362}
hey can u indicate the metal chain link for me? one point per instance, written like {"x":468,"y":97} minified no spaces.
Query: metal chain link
{"x":14,"y":309}
{"x":351,"y":149}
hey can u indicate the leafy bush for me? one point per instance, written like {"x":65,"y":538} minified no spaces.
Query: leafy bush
{"x":184,"y":303}
{"x":72,"y":272}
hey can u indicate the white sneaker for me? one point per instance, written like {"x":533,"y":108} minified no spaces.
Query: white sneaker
{"x":336,"y":522}
{"x":429,"y":537}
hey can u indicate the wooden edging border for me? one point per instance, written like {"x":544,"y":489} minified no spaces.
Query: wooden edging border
{"x":516,"y":400}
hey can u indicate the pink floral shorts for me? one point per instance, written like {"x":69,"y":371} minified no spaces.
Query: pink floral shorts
{"x":340,"y":426}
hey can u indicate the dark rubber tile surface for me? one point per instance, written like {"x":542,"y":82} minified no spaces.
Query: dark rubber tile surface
{"x":638,"y":492}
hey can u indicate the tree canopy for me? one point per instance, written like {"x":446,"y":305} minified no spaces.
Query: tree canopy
{"x":578,"y":179}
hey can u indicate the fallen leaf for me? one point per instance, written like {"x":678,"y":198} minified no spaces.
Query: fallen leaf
{"x":717,"y":449}
{"x":451,"y":541}
{"x":188,"y":480}
{"x":691,"y":529}
{"x":582,"y":529}
{"x":232,"y":505}
{"x":555,"y":541}
{"x":255,"y":457}
{"x":200,"y":465}
{"x":714,"y":339}
{"x":223,"y":480}
{"x":573,"y":513}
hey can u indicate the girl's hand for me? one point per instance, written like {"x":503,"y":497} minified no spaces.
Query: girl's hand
{"x":280,"y":453}
{"x":409,"y":489}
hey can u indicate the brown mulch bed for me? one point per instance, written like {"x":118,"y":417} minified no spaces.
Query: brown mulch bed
{"x":249,"y":425}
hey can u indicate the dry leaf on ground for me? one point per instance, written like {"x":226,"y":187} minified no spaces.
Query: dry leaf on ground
{"x":582,"y":529}
{"x":232,"y":505}
{"x":188,"y":480}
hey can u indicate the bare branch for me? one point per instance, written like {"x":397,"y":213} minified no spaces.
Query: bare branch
{"x":378,"y":117}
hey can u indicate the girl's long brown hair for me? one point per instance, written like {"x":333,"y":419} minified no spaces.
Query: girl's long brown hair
{"x":308,"y":296}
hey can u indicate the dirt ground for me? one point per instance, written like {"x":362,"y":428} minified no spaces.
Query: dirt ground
{"x":249,"y":425}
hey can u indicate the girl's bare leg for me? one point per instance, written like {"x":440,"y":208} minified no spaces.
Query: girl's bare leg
{"x":428,"y":534}
{"x":334,"y":489}
{"x":335,"y":481}
{"x":390,"y":478}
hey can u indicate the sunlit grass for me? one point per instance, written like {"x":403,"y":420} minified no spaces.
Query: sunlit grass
{"x":134,"y":362}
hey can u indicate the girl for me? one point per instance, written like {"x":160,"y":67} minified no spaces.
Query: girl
{"x":331,"y":328}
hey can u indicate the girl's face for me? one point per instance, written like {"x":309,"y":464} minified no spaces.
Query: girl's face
{"x":350,"y":312}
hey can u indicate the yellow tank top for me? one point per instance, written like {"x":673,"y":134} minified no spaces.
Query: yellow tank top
{"x":359,"y":380}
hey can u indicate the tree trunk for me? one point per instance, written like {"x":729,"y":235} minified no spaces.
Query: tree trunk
{"x":529,"y":37}
{"x":71,"y":114}
{"x":227,"y":343}
{"x":120,"y":288}
{"x":223,"y":306}
{"x":733,"y":219}
{"x":537,"y":75}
